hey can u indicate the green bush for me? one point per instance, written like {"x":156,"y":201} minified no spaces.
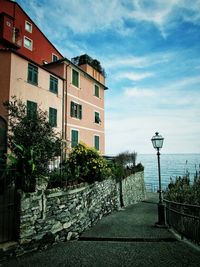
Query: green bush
{"x":86,"y":164}
{"x":183,"y":191}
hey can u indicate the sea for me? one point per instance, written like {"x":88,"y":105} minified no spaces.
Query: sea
{"x":172,"y":166}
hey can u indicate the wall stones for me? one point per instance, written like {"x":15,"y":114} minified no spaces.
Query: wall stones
{"x":133,"y":189}
{"x":49,"y":216}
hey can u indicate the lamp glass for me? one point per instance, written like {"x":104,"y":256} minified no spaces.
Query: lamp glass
{"x":157,"y":141}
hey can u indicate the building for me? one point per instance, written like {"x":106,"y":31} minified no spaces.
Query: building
{"x":31,"y":68}
{"x":84,"y":109}
{"x":18,"y":31}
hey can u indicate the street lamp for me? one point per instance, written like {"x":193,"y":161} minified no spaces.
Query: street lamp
{"x":157,"y":141}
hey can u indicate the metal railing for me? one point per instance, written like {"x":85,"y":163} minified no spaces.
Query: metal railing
{"x":184,"y":218}
{"x":153,"y":187}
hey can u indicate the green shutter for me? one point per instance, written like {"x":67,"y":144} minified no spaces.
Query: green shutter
{"x":96,"y":90}
{"x":96,"y":142}
{"x":75,"y":78}
{"x":31,"y":108}
{"x":53,"y":87}
{"x":53,"y":117}
{"x":80,"y":111}
{"x":74,"y":140}
{"x":97,"y":118}
{"x":32,"y":74}
{"x":72,"y":109}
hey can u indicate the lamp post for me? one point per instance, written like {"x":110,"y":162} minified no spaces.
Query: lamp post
{"x":157,"y":141}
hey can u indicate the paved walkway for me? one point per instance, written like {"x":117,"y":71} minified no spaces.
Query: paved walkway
{"x":124,"y":238}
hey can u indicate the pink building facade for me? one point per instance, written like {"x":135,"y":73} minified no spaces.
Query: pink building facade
{"x":71,"y":91}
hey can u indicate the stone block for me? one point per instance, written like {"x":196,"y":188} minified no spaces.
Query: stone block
{"x":56,"y":227}
{"x":67,"y":225}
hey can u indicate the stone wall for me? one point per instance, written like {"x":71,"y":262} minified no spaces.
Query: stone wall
{"x":57,"y":215}
{"x":133,"y":189}
{"x":54,"y":215}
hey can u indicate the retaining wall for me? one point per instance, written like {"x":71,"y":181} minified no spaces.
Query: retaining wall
{"x":54,"y":215}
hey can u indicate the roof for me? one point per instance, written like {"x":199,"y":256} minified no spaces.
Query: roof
{"x":76,"y":66}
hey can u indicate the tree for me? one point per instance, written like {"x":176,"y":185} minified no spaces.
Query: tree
{"x":32,"y":142}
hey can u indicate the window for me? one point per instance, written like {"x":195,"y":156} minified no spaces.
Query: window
{"x":31,"y":108}
{"x":28,"y":26}
{"x":74,"y":138}
{"x":75,"y":78}
{"x":32,"y":74}
{"x":53,"y":87}
{"x":97,"y":117}
{"x":54,"y":57}
{"x":96,"y":142}
{"x":76,"y":110}
{"x":53,"y":117}
{"x":96,"y":90}
{"x":28,"y":43}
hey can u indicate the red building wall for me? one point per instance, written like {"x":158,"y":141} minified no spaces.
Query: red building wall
{"x":12,"y":24}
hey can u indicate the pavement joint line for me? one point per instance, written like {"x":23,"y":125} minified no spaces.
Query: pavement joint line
{"x":129,"y":239}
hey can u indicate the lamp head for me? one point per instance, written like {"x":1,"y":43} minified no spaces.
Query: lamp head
{"x":157,"y":141}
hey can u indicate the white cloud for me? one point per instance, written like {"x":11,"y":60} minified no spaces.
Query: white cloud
{"x":133,"y":76}
{"x":135,"y":132}
{"x":138,"y":92}
{"x":119,"y":62}
{"x":89,"y":16}
{"x":166,"y":12}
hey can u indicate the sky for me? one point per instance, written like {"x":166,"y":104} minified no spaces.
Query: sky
{"x":150,"y":50}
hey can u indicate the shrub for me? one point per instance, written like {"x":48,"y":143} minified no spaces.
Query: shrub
{"x":32,"y":143}
{"x":86,"y":164}
{"x":124,"y":165}
{"x":183,"y":191}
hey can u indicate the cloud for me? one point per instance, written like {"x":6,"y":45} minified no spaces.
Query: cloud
{"x":116,"y":61}
{"x":133,"y":76}
{"x":166,"y":13}
{"x":83,"y":17}
{"x":138,"y":130}
{"x":138,"y":92}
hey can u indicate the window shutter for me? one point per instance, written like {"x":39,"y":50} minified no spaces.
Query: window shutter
{"x":32,"y":74}
{"x":31,"y":108}
{"x":96,"y":90}
{"x":96,"y":142}
{"x":72,"y":109}
{"x":97,"y":118}
{"x":53,"y":87}
{"x":35,"y":76}
{"x":80,"y":112}
{"x":75,"y":78}
{"x":74,"y":140}
{"x":53,"y":117}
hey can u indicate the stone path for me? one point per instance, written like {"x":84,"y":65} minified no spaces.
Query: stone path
{"x":125,"y":238}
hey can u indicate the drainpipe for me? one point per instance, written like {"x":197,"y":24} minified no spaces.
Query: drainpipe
{"x":64,"y":110}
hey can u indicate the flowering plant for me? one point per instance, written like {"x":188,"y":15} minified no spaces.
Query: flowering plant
{"x":86,"y":164}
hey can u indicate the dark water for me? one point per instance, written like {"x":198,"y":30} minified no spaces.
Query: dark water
{"x":172,"y":165}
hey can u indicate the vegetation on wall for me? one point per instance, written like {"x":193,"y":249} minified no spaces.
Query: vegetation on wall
{"x":32,"y":143}
{"x":83,"y":164}
{"x":124,"y":164}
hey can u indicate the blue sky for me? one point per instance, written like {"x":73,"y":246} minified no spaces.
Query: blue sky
{"x":150,"y":50}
